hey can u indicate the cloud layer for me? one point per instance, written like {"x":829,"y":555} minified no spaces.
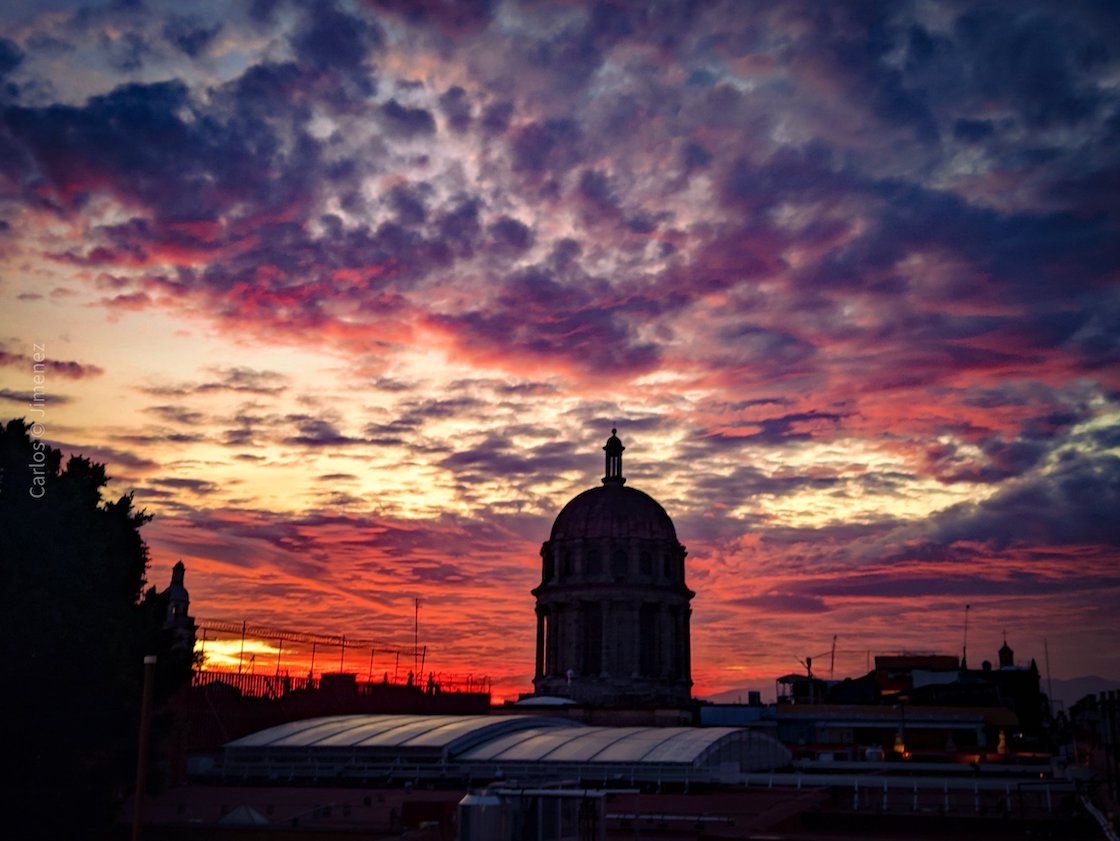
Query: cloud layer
{"x":844,"y":277}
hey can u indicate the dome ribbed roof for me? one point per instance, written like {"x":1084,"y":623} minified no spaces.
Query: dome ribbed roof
{"x":616,"y":511}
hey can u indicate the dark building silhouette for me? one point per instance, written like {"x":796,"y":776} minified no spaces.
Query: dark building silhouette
{"x":178,"y":619}
{"x":612,"y":606}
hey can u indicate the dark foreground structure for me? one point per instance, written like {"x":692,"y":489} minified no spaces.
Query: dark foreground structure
{"x":501,"y":778}
{"x":612,"y":746}
{"x":612,"y":607}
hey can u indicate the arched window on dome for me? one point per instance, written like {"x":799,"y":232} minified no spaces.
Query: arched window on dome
{"x":549,"y":566}
{"x":591,"y":618}
{"x":618,"y":563}
{"x":594,"y":562}
{"x":668,"y":566}
{"x":649,"y":655}
{"x":645,"y":563}
{"x":566,"y":564}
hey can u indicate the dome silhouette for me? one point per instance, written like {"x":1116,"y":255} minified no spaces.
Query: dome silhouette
{"x":613,"y":511}
{"x":612,"y":606}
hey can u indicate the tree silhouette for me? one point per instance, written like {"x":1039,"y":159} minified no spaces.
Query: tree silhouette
{"x":75,"y":630}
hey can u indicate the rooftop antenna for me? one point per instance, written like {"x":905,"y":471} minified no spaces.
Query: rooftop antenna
{"x":832,"y":662}
{"x":415,"y":634}
{"x":1049,"y":683}
{"x":964,"y":650}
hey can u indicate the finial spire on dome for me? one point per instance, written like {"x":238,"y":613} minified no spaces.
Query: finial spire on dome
{"x":614,"y":450}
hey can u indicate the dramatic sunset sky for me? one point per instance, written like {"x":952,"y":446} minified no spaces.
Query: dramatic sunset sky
{"x":351,"y":293}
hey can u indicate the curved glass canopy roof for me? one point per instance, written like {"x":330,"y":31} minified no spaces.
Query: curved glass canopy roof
{"x":479,"y":746}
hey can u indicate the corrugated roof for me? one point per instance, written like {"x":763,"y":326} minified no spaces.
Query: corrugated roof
{"x":447,"y":732}
{"x":365,"y":745}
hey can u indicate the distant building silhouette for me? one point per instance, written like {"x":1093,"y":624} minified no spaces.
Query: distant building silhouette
{"x":1006,"y":655}
{"x":612,"y":606}
{"x":178,"y":619}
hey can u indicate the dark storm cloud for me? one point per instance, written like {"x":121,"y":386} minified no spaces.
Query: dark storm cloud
{"x":1075,"y":502}
{"x":548,"y":146}
{"x":595,"y":188}
{"x":331,"y":38}
{"x":11,"y":56}
{"x":191,"y":35}
{"x":237,"y":380}
{"x":772,"y":431}
{"x":177,"y":414}
{"x":407,"y":122}
{"x":743,"y":342}
{"x":115,"y":458}
{"x":408,"y":203}
{"x":971,"y":131}
{"x":430,"y":570}
{"x":855,"y":44}
{"x":1002,"y":459}
{"x":317,"y":432}
{"x":68,"y":369}
{"x":200,"y":487}
{"x":537,"y":317}
{"x":248,"y":428}
{"x":27,"y":398}
{"x":127,"y":51}
{"x":459,"y":225}
{"x":512,"y":234}
{"x":782,"y":603}
{"x":242,"y":153}
{"x":1033,"y":61}
{"x":459,"y":18}
{"x":909,"y":584}
{"x":497,"y":457}
{"x":496,"y":117}
{"x":137,"y":139}
{"x":456,"y":107}
{"x":251,"y":139}
{"x":154,"y":437}
{"x":746,"y":483}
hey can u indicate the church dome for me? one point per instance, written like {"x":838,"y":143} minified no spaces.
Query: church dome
{"x":613,"y":511}
{"x":612,"y":606}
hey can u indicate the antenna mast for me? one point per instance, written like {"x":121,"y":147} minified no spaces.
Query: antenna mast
{"x":964,"y":650}
{"x":1049,"y":683}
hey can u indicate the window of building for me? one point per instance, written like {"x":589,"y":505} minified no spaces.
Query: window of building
{"x":594,"y":562}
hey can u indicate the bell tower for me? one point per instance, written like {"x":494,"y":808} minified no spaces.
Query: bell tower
{"x":178,"y":619}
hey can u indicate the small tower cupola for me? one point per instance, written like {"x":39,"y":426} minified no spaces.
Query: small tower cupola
{"x":614,"y":449}
{"x":1006,"y":655}
{"x":178,"y":619}
{"x":178,"y":600}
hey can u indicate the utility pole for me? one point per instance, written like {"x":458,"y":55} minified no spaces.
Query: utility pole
{"x":145,"y":740}
{"x":241,"y":653}
{"x":964,"y":650}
